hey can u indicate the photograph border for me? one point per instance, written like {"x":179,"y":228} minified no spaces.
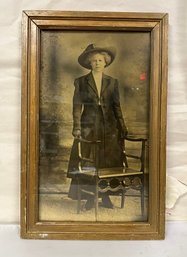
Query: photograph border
{"x":33,"y":22}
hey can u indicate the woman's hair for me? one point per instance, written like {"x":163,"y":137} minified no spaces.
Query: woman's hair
{"x":106,"y":56}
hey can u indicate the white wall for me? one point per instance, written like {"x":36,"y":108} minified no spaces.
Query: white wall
{"x":10,"y":95}
{"x":173,"y":246}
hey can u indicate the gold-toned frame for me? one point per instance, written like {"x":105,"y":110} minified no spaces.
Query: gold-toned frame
{"x":33,"y":22}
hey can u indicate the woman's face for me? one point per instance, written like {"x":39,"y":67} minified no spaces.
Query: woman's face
{"x":97,"y":62}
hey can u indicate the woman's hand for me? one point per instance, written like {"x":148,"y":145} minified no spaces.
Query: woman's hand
{"x":76,"y":133}
{"x":123,"y":133}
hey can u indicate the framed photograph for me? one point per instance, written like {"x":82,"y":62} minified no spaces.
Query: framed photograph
{"x":93,"y":150}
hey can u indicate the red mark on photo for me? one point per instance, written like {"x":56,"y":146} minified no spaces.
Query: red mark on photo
{"x":143,"y":76}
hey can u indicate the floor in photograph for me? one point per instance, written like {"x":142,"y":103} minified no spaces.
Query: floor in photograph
{"x":58,"y":207}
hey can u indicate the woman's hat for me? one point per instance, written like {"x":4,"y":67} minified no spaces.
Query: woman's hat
{"x":97,"y":49}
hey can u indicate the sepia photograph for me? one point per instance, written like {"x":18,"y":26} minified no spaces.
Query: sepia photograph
{"x":93,"y":127}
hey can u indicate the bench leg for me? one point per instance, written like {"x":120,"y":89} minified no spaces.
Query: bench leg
{"x":96,"y":201}
{"x":122,"y":198}
{"x":142,"y":201}
{"x":78,"y":197}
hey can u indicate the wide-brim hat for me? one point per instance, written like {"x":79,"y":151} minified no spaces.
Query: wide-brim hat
{"x":97,"y":49}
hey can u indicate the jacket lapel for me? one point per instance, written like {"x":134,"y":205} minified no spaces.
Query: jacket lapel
{"x":91,"y":83}
{"x":105,"y":83}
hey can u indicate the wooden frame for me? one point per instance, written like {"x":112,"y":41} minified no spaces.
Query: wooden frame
{"x":33,"y":23}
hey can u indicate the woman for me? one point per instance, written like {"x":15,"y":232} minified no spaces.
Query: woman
{"x":97,"y":115}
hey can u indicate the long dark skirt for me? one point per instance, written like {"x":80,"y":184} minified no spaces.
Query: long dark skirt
{"x":110,"y":152}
